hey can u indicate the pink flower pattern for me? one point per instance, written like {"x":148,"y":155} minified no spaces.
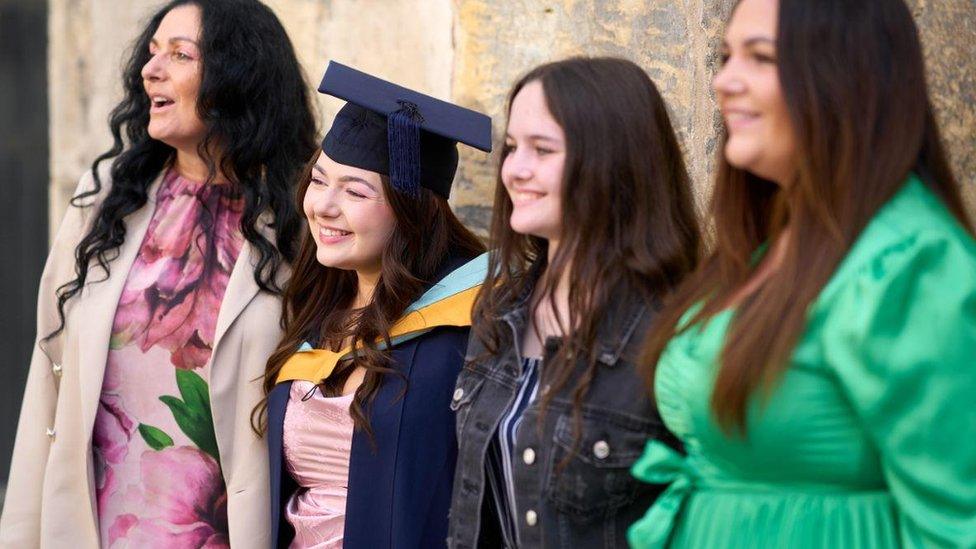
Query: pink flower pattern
{"x":168,"y":493}
{"x":178,"y":280}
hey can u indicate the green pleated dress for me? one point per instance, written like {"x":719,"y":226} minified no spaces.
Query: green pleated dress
{"x":869,"y":437}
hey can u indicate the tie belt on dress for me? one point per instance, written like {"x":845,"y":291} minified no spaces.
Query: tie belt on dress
{"x":661,"y":464}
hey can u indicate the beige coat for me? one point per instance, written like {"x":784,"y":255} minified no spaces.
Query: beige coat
{"x":50,"y":498}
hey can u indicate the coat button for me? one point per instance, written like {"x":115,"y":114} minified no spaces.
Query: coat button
{"x":528,"y":456}
{"x":458,"y":394}
{"x":601,"y":449}
{"x":56,"y":368}
{"x":531,"y":518}
{"x":51,"y":432}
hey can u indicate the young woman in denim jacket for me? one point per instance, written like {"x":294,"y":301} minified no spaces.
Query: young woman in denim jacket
{"x":593,"y":224}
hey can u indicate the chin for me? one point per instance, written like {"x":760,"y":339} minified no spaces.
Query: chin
{"x":162,"y":137}
{"x":327,"y":260}
{"x":740,"y":156}
{"x":530,"y":227}
{"x":522,"y":226}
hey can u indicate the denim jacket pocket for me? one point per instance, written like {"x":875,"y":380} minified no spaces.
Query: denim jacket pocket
{"x":465,"y":390}
{"x":595,"y":478}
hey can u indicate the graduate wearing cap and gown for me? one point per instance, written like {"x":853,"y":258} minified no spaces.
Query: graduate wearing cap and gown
{"x":363,"y":457}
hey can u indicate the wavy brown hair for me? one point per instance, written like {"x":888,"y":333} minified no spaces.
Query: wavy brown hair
{"x":628,"y":218}
{"x":317,"y":299}
{"x":853,"y":80}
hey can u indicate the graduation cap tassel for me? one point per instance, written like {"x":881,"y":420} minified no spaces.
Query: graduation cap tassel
{"x":404,"y":143}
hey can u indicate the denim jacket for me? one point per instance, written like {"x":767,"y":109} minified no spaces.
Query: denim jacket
{"x":593,"y":499}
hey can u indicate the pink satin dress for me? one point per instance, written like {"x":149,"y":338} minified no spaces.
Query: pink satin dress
{"x":317,"y":441}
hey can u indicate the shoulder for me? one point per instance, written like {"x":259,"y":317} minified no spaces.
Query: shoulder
{"x":906,"y":295}
{"x":433,"y":359}
{"x":90,"y":190}
{"x":87,"y":198}
{"x":913,"y":238}
{"x":445,"y":343}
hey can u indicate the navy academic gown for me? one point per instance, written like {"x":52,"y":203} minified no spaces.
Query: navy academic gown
{"x":399,"y":492}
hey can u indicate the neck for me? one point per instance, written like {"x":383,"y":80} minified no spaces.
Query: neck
{"x":560,"y":298}
{"x":190,"y":165}
{"x":366,"y":285}
{"x":562,"y":284}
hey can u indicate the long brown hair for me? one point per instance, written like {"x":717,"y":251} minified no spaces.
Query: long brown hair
{"x":853,"y":79}
{"x":317,"y":300}
{"x":628,"y":219}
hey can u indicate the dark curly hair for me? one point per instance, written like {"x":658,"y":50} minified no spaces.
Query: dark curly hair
{"x":255,"y":104}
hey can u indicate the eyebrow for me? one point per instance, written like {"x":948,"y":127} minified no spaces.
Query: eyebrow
{"x":753,"y":41}
{"x":537,"y":137}
{"x":345,"y":178}
{"x":354,"y":179}
{"x":759,"y":39}
{"x":175,"y":39}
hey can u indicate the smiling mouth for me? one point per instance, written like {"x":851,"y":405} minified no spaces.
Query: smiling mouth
{"x":330,"y":235}
{"x":735,"y":119}
{"x":521,"y":197}
{"x":159,"y":102}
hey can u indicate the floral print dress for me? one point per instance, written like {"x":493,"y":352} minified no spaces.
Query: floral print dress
{"x":157,"y":468}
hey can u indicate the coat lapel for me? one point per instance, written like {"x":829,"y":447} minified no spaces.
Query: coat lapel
{"x":96,"y":309}
{"x":241,"y":287}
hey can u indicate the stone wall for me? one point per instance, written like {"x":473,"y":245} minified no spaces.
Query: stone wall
{"x":470,"y":51}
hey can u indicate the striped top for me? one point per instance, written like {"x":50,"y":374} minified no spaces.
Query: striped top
{"x":501,"y":450}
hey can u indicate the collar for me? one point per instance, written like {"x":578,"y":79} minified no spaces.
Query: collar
{"x":622,"y":318}
{"x":447,"y":302}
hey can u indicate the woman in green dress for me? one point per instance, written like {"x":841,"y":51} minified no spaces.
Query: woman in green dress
{"x":820,"y":367}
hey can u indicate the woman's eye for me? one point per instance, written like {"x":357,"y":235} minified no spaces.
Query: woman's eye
{"x":542,"y":151}
{"x":180,"y":56}
{"x":764,"y":58}
{"x":319,"y":182}
{"x":508,"y":148}
{"x":723,"y":58}
{"x":355,"y":194}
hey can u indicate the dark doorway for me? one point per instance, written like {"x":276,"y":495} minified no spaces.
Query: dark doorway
{"x":23,"y":198}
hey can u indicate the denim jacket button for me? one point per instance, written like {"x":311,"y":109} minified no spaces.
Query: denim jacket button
{"x":531,"y":518}
{"x":458,"y":394}
{"x":528,"y":456}
{"x":601,"y":449}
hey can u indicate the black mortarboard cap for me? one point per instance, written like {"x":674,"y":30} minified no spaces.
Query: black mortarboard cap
{"x":395,"y":131}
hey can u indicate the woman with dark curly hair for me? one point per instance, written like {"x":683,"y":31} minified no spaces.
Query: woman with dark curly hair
{"x":160,"y":301}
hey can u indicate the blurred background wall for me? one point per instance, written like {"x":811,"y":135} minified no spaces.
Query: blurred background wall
{"x":467,"y":51}
{"x":24,"y":183}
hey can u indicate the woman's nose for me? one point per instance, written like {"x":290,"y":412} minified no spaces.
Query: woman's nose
{"x":727,"y":80}
{"x":518,"y":166}
{"x":325,"y":204}
{"x":153,"y":69}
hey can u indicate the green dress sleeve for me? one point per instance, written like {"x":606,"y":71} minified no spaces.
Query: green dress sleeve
{"x":901,"y":337}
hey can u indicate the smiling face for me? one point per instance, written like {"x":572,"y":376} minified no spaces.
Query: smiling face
{"x":532,"y":168}
{"x":171,"y":79}
{"x":761,"y":139}
{"x":349,"y":216}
